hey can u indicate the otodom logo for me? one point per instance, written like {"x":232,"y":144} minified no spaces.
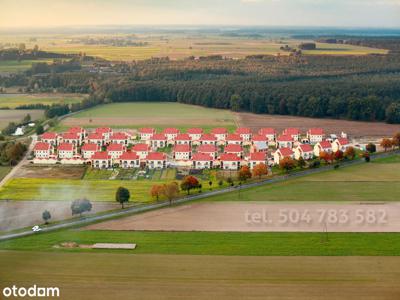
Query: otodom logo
{"x":33,"y":291}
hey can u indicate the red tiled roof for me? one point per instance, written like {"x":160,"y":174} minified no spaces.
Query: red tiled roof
{"x":129,"y":156}
{"x":90,"y":147}
{"x":49,"y":136}
{"x":119,"y":136}
{"x":285,"y":138}
{"x":258,"y":156}
{"x":202,"y":157}
{"x":260,"y":138}
{"x":233,"y":137}
{"x":171,"y":131}
{"x":70,"y":136}
{"x":266,"y":131}
{"x":343,"y":141}
{"x":95,"y":136}
{"x":285,"y":151}
{"x":291,"y":131}
{"x":156,"y":156}
{"x":207,"y":148}
{"x":42,"y":146}
{"x":208,"y":137}
{"x":229,"y":157}
{"x":115,"y":147}
{"x":243,"y":130}
{"x":233,"y":148}
{"x":103,"y":130}
{"x":325,"y":144}
{"x":101,"y":155}
{"x":147,"y":130}
{"x":220,"y":130}
{"x":195,"y":131}
{"x":183,"y":137}
{"x":316,"y":131}
{"x":158,"y":137}
{"x":75,"y":130}
{"x":182,"y":148}
{"x":306,"y":148}
{"x":140,"y":148}
{"x":65,"y":147}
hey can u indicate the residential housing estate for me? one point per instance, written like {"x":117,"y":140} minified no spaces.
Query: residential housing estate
{"x":146,"y":148}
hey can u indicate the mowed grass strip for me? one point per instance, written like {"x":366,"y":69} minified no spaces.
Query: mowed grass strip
{"x":220,"y":243}
{"x":4,"y":171}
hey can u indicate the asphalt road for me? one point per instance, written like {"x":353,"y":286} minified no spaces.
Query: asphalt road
{"x":147,"y":207}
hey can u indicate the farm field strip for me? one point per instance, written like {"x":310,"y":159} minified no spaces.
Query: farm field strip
{"x":16,"y":115}
{"x":204,"y":277}
{"x":15,"y":100}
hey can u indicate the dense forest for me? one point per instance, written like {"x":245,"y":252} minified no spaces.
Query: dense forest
{"x":352,"y":87}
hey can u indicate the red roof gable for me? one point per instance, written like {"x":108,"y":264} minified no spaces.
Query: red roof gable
{"x":42,"y":146}
{"x":90,"y":147}
{"x":229,"y":157}
{"x":183,"y":137}
{"x":195,"y":131}
{"x":285,"y":152}
{"x":343,"y":141}
{"x":101,"y":155}
{"x":243,"y":130}
{"x":65,"y":147}
{"x":70,"y":136}
{"x":285,"y":138}
{"x":233,"y":148}
{"x":49,"y":136}
{"x":306,"y":148}
{"x":267,"y":131}
{"x":182,"y":148}
{"x":115,"y":147}
{"x":207,"y":148}
{"x":291,"y":131}
{"x":171,"y":131}
{"x":129,"y":156}
{"x":158,"y":137}
{"x":208,"y":137}
{"x":141,"y":148}
{"x":258,"y":156}
{"x":147,"y":130}
{"x":316,"y":131}
{"x":260,"y":138}
{"x":119,"y":136}
{"x":325,"y":145}
{"x":156,"y":156}
{"x":202,"y":157}
{"x":103,"y":130}
{"x":95,"y":136}
{"x":219,"y":131}
{"x":234,"y":137}
{"x":76,"y":130}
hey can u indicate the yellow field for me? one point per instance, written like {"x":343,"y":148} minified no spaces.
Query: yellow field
{"x":179,"y":47}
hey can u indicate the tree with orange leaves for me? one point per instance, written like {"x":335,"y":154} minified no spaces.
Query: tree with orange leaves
{"x":188,"y":183}
{"x":350,"y":153}
{"x":244,"y":173}
{"x":260,"y":170}
{"x":287,"y":163}
{"x":156,"y":191}
{"x":386,"y":144}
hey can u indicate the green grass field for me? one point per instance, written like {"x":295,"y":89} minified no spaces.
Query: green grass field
{"x":14,"y":66}
{"x":14,"y":100}
{"x":220,"y":243}
{"x":4,"y":171}
{"x":377,"y":181}
{"x":157,"y":114}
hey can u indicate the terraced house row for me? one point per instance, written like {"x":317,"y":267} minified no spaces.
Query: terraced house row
{"x":103,"y":148}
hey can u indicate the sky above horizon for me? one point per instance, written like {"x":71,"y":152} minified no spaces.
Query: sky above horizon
{"x":338,"y":13}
